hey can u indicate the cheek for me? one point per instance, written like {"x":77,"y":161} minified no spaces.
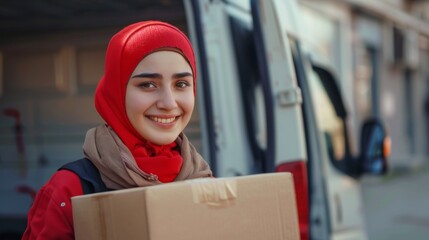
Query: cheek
{"x":189,"y":104}
{"x":132,"y":104}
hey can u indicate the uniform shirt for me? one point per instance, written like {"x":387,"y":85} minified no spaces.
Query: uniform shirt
{"x":51,"y":215}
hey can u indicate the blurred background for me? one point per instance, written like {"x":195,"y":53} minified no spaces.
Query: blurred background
{"x":52,"y":56}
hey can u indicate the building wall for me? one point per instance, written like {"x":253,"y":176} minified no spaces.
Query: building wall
{"x":397,"y":101}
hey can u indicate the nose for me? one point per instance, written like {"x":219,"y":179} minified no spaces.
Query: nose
{"x":167,"y":99}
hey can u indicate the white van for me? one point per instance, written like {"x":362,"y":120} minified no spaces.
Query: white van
{"x":264,"y":106}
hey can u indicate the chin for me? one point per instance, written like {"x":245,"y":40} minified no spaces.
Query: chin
{"x":164,"y":141}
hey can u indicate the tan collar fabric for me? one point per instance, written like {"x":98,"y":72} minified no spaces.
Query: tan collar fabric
{"x":118,"y":168}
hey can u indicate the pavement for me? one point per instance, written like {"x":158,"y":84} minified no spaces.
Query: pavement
{"x":397,"y":205}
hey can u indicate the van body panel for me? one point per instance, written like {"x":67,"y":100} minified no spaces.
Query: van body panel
{"x":290,"y":140}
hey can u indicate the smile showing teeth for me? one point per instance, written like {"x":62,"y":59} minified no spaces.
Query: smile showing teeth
{"x":163,"y":120}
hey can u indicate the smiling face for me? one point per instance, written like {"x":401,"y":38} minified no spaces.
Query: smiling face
{"x":160,"y":98}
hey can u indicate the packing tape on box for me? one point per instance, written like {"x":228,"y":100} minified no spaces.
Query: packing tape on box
{"x":214,"y":192}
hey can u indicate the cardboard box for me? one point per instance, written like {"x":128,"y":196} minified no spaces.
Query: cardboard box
{"x":249,"y":207}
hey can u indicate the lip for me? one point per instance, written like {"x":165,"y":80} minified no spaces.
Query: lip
{"x":164,"y":121}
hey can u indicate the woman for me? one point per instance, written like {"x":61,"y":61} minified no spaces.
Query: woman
{"x":146,"y":98}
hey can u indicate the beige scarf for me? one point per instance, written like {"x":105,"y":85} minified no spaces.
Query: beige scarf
{"x":118,"y":168}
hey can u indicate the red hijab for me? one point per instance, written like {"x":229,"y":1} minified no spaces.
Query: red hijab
{"x":125,"y":50}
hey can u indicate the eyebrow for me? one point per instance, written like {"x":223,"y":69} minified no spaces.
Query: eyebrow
{"x":182,"y":74}
{"x":147,"y":75}
{"x":157,"y":75}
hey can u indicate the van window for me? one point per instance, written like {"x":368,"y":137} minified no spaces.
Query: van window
{"x":329,"y":123}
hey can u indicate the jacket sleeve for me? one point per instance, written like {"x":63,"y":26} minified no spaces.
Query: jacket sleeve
{"x":51,"y":215}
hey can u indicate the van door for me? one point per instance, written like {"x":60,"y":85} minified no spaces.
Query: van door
{"x":339,"y":166}
{"x":274,"y":21}
{"x":325,"y":40}
{"x":225,"y":140}
{"x":275,"y":24}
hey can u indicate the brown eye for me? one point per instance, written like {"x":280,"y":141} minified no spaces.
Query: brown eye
{"x":147,"y":85}
{"x":183,"y":84}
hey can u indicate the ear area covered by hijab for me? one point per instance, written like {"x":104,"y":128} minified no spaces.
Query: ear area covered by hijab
{"x":125,"y":50}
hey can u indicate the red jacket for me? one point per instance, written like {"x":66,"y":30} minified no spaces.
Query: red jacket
{"x":51,"y":215}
